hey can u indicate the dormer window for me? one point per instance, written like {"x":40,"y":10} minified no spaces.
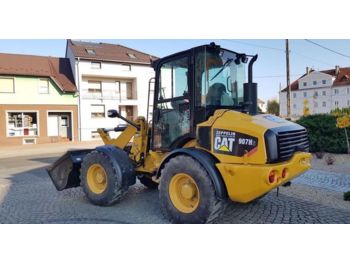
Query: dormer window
{"x":90,"y":51}
{"x":132,"y":56}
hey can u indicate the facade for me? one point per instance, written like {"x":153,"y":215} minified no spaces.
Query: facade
{"x":37,"y":100}
{"x":318,"y":92}
{"x":108,"y":77}
{"x":262,"y":105}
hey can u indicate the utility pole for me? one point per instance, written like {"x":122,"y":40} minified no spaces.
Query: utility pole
{"x":288,"y":79}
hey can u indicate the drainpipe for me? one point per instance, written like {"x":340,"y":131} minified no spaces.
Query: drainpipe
{"x":79,"y":111}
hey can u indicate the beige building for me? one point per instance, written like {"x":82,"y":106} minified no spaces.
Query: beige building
{"x":319,"y":91}
{"x":38,"y":102}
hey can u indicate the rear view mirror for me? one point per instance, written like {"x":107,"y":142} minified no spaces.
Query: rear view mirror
{"x":113,"y":113}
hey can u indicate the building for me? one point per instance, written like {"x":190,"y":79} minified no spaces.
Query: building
{"x":318,"y":92}
{"x":37,"y":100}
{"x":262,"y":105}
{"x":108,"y":77}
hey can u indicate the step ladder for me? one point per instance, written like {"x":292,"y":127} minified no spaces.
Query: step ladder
{"x":150,"y":99}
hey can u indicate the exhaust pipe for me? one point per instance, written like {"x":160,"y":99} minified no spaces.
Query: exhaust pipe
{"x":251,"y":90}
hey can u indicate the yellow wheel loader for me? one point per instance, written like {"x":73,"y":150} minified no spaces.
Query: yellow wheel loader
{"x":205,"y":144}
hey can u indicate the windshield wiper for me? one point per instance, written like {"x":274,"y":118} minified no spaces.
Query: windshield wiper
{"x":227,"y":63}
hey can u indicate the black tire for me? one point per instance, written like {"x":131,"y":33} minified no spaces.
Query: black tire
{"x":148,"y":182}
{"x":210,"y":207}
{"x":115,"y":186}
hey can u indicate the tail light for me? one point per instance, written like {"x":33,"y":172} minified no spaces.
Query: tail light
{"x":284,"y":173}
{"x":272,"y":176}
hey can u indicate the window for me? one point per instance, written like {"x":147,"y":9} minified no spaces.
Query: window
{"x":132,"y":56}
{"x":315,"y":94}
{"x":336,"y":91}
{"x":95,"y":135}
{"x":96,"y":65}
{"x":90,"y":51}
{"x":305,"y":94}
{"x":348,"y":90}
{"x":294,"y":106}
{"x":304,"y":84}
{"x":348,"y":102}
{"x":22,"y":124}
{"x":43,"y":86}
{"x":324,"y":104}
{"x":126,"y":67}
{"x":129,"y":91}
{"x":7,"y":85}
{"x":336,"y":103}
{"x":314,"y":83}
{"x":323,"y":82}
{"x":324,"y":93}
{"x":98,"y":111}
{"x":294,"y":95}
{"x":94,"y":87}
{"x":315,"y":104}
{"x":173,"y":105}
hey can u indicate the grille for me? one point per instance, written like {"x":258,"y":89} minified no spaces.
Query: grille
{"x":291,"y":141}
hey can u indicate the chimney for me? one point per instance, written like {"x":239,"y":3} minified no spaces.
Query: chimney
{"x":337,"y":69}
{"x":307,"y":70}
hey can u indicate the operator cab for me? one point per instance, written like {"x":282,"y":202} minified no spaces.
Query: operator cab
{"x":191,"y":85}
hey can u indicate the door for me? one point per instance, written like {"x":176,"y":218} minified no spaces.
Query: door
{"x":172,"y":107}
{"x":59,"y":125}
{"x":52,"y":125}
{"x":64,"y":126}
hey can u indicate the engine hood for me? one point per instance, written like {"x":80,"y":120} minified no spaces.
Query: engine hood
{"x":240,"y":138}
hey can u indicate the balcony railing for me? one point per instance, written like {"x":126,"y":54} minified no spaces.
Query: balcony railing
{"x":107,"y":96}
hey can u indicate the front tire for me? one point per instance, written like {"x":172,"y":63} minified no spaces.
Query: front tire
{"x":101,"y":182}
{"x":187,"y":194}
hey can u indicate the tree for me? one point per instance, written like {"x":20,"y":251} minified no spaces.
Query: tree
{"x":306,"y":109}
{"x":273,"y":107}
{"x":343,"y":122}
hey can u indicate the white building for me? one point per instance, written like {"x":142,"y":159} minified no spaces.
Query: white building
{"x":262,"y":105}
{"x":319,"y":91}
{"x":108,"y":77}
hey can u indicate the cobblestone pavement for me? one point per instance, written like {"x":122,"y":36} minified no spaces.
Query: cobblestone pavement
{"x":325,"y":180}
{"x":27,"y":195}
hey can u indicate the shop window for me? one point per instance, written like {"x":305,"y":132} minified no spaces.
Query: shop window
{"x":22,"y":124}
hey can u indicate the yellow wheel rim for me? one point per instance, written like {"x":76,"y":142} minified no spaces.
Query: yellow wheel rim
{"x":97,"y":178}
{"x":184,"y":193}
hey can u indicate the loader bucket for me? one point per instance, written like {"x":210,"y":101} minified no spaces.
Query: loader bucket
{"x":65,"y":172}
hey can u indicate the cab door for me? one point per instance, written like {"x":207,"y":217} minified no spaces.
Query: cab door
{"x":172,"y":116}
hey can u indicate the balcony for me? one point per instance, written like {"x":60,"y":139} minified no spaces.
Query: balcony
{"x":122,"y":98}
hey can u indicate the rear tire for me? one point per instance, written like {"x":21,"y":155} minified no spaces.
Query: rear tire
{"x":101,"y":182}
{"x":187,"y":194}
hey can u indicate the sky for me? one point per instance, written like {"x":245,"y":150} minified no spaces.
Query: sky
{"x":269,"y":70}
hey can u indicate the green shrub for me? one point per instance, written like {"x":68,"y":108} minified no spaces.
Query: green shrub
{"x":323,"y":133}
{"x":347,"y":196}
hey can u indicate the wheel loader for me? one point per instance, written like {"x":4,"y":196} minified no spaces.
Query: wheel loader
{"x":206,"y":142}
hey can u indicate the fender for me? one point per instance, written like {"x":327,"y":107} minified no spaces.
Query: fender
{"x":121,"y":161}
{"x":207,"y":161}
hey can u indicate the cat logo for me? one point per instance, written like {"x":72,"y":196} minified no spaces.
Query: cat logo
{"x":234,"y":143}
{"x":224,"y":140}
